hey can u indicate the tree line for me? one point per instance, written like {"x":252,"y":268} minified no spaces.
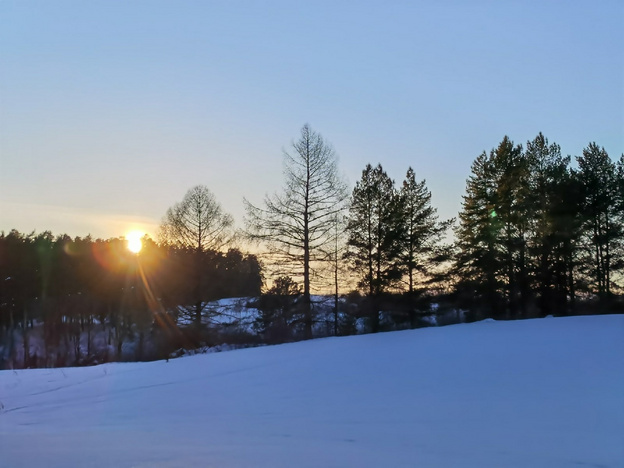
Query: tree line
{"x":538,"y":234}
{"x":84,"y":299}
{"x":534,"y":236}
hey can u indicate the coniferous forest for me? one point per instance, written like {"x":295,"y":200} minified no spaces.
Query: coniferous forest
{"x":538,"y":234}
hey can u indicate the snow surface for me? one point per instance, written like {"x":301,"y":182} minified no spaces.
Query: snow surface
{"x":539,"y":393}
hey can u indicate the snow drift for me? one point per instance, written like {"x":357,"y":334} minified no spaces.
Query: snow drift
{"x":541,"y":393}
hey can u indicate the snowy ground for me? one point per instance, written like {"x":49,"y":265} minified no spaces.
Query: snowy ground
{"x":538,"y":393}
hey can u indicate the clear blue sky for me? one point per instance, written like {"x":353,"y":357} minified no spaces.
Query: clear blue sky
{"x":111,"y":110}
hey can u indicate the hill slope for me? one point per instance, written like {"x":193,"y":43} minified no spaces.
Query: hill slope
{"x":546,"y":392}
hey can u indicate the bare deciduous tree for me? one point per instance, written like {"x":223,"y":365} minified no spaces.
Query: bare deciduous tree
{"x":296,"y":224}
{"x":197,"y":223}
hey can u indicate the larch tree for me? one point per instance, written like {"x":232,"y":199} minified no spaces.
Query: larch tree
{"x":335,"y":257}
{"x":296,"y":224}
{"x":199,"y":225}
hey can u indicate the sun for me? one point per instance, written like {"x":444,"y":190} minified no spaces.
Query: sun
{"x":134,"y":241}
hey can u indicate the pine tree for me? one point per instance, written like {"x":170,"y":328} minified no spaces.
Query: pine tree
{"x":492,"y":232}
{"x":374,"y":231}
{"x":478,"y":265}
{"x":421,"y":229}
{"x":602,"y":222}
{"x":551,"y":229}
{"x":509,"y":166}
{"x":618,"y":256}
{"x":566,"y":206}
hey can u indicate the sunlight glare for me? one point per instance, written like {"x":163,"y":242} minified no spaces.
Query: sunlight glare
{"x":134,"y":241}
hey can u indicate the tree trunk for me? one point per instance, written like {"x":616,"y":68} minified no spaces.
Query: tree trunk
{"x":26,"y":342}
{"x":307,"y":304}
{"x":336,"y":294}
{"x":198,"y":314}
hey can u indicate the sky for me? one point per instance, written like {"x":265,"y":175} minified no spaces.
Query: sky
{"x":110,"y":110}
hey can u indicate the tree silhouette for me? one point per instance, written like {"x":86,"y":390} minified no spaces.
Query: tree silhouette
{"x":199,"y":224}
{"x":296,"y":224}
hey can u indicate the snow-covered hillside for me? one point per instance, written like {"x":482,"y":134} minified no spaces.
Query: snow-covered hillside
{"x":539,"y":393}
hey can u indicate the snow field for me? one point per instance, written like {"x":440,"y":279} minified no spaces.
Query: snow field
{"x":539,"y":393}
